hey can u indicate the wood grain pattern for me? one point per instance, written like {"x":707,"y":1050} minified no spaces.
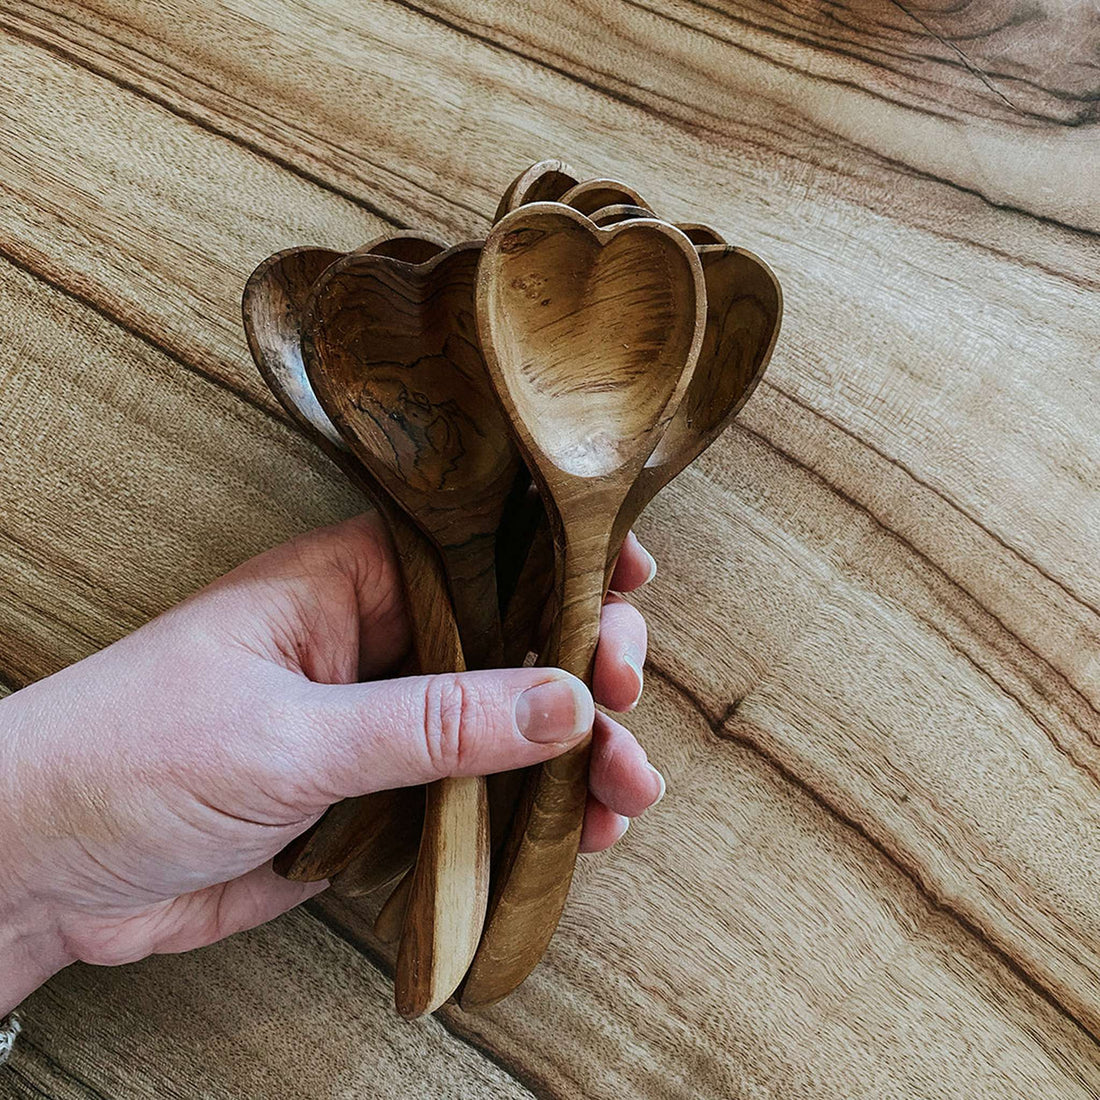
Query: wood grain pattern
{"x":590,"y":336}
{"x":873,"y":683}
{"x":392,"y":353}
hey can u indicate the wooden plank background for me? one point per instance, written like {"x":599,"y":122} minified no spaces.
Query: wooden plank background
{"x":875,"y":680}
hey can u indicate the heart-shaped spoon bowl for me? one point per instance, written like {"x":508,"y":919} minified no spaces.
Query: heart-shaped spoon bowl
{"x":545,"y":181}
{"x":586,"y":332}
{"x":272,"y":306}
{"x":700,"y":235}
{"x":590,"y":335}
{"x":744,"y":310}
{"x":392,"y":352}
{"x":591,"y":195}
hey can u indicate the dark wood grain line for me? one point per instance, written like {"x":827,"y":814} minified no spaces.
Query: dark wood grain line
{"x":1063,"y":586}
{"x":111,"y":75}
{"x":64,"y":1073}
{"x":986,"y":674}
{"x":934,"y":566}
{"x":722,"y":731}
{"x":271,"y":409}
{"x":206,"y":125}
{"x":28,"y":1087}
{"x":970,"y":66}
{"x":791,"y":67}
{"x":898,"y":165}
{"x":70,"y":569}
{"x":818,"y":38}
{"x":445,"y":1018}
{"x":1087,"y":113}
{"x":50,"y":616}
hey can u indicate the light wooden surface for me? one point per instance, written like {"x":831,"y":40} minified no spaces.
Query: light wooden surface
{"x":875,"y":680}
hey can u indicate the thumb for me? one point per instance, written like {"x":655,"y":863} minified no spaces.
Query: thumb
{"x":395,"y":733}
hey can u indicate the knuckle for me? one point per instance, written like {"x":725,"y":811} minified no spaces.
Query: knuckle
{"x":454,"y":717}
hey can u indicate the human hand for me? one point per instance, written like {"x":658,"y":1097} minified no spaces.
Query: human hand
{"x":145,"y":789}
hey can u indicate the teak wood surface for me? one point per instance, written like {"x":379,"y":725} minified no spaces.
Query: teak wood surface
{"x":874,"y":674}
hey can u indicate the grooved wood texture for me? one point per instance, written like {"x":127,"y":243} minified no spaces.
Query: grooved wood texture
{"x":875,"y":681}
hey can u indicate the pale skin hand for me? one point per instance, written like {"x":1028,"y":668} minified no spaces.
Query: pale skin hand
{"x":145,"y":789}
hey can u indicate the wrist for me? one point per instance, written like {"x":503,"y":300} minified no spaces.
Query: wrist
{"x":29,"y":955}
{"x":31,"y":944}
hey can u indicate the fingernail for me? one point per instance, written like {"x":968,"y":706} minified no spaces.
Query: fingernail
{"x":635,"y":666}
{"x":557,"y":710}
{"x":661,"y":780}
{"x":652,"y":565}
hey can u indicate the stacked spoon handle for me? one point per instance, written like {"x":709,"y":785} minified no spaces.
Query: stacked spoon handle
{"x":586,"y":346}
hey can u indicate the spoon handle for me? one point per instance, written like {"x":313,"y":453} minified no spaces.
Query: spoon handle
{"x":471,"y":573}
{"x":375,"y":832}
{"x":536,"y":868}
{"x":448,"y":895}
{"x":449,"y":887}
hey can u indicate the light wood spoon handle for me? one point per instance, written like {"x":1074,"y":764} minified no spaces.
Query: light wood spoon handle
{"x":449,"y":888}
{"x":546,"y":832}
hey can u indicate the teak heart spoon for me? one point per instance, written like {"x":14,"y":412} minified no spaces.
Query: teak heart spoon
{"x":699,"y":234}
{"x":589,"y":196}
{"x":619,"y":212}
{"x":392,"y":351}
{"x":379,"y":832}
{"x":744,"y":309}
{"x":526,"y":610}
{"x":545,"y":181}
{"x":590,"y":336}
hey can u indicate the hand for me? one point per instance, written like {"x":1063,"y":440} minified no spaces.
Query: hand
{"x":146,"y":788}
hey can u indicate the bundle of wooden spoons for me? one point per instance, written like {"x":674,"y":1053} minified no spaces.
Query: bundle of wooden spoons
{"x":587,"y":347}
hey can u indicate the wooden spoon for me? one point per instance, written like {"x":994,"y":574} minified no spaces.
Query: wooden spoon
{"x":619,"y":212}
{"x":590,"y":336}
{"x":700,"y":235}
{"x":589,"y":196}
{"x":380,"y":831}
{"x":744,"y":310}
{"x":527,"y":610}
{"x":392,"y":352}
{"x":545,"y":181}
